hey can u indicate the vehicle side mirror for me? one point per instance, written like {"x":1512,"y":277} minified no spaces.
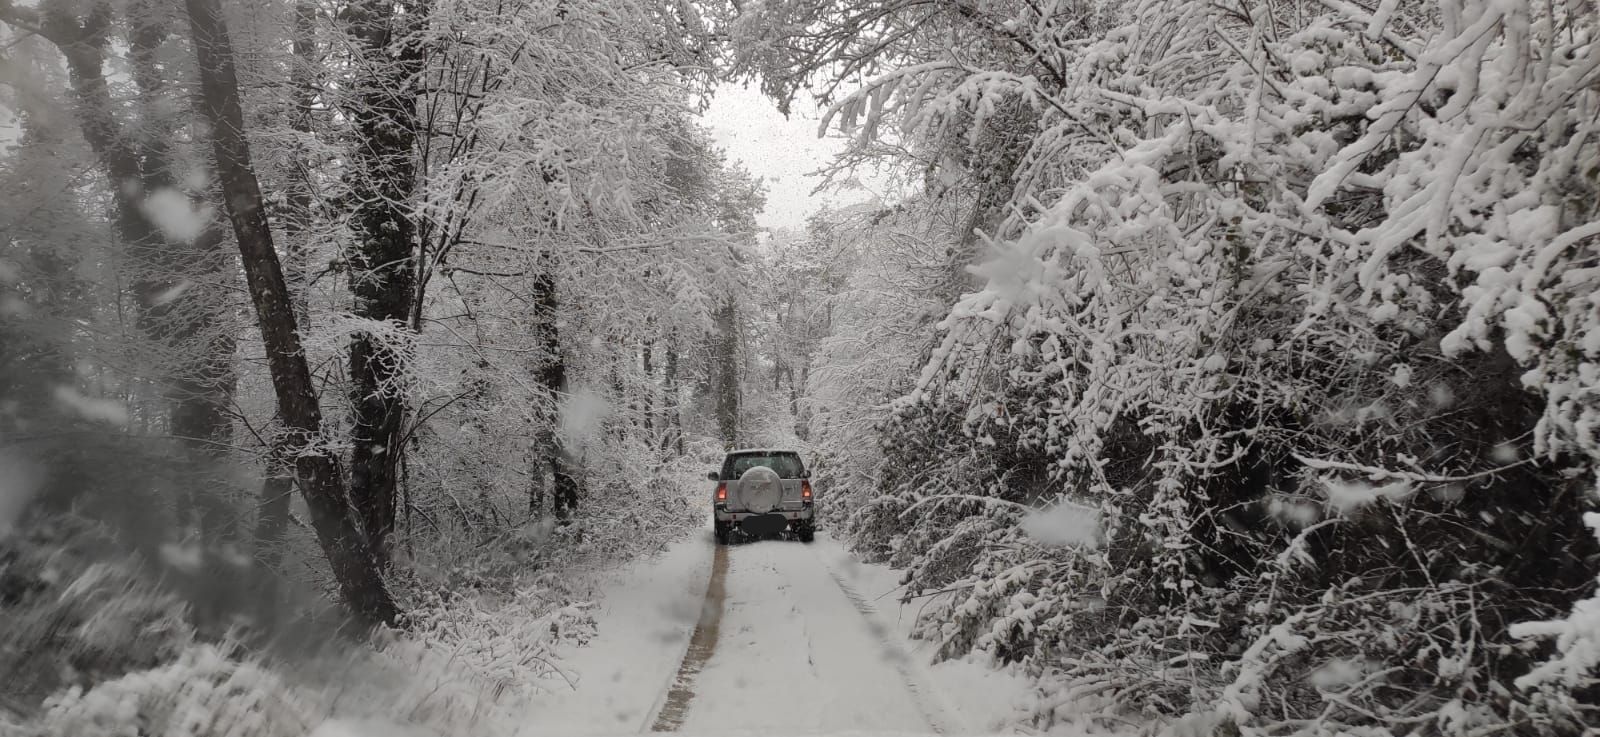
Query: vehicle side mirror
{"x":805,"y":473}
{"x":714,"y":476}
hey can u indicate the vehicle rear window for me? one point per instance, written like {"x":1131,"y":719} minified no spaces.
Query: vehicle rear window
{"x":787,"y":465}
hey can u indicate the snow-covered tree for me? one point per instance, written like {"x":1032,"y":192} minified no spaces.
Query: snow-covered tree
{"x":1286,"y":300}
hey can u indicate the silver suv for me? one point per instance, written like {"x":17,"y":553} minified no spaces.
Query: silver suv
{"x":763,"y":492}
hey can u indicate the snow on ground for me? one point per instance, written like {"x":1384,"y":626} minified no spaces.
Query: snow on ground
{"x":645,"y":614}
{"x":794,"y":654}
{"x":809,"y":641}
{"x":977,"y":698}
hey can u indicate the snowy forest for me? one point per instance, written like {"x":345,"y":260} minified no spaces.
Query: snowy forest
{"x":1216,"y":368}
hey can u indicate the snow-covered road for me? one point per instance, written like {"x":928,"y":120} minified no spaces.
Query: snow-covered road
{"x":797,"y":652}
{"x":773,"y":637}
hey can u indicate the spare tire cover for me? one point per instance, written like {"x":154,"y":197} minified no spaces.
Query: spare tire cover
{"x":760,"y":490}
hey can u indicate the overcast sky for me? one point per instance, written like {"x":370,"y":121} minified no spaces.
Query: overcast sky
{"x":749,"y":127}
{"x":782,"y":152}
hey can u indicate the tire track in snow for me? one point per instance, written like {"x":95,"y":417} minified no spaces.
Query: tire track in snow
{"x":702,"y":644}
{"x":915,"y":685}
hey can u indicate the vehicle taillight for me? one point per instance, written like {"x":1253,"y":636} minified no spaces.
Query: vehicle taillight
{"x":805,"y":491}
{"x":722,"y":492}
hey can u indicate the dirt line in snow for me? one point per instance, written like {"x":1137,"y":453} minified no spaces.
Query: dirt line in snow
{"x":701,"y":645}
{"x":931,"y":711}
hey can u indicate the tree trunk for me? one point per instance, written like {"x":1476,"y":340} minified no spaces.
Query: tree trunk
{"x":317,"y":469}
{"x":670,"y":403}
{"x":381,"y":267}
{"x":649,"y":409}
{"x":552,"y":377}
{"x":726,"y":358}
{"x":794,"y":394}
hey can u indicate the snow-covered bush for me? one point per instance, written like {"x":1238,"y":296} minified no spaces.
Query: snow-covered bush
{"x":465,"y":662}
{"x":202,"y":693}
{"x":475,"y":645}
{"x":1297,"y":299}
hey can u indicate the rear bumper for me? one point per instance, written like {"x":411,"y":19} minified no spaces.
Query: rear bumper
{"x":805,"y":514}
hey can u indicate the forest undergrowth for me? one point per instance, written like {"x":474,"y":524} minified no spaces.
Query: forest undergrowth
{"x":101,"y":642}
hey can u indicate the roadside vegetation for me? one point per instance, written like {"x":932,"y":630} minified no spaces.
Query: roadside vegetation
{"x":1230,"y":367}
{"x":339,"y":347}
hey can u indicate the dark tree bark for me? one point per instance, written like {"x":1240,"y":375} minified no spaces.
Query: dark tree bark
{"x":675,"y":418}
{"x":726,"y":360}
{"x":552,"y":377}
{"x":649,"y":410}
{"x":317,"y":470}
{"x":794,"y":394}
{"x":801,"y":421}
{"x":382,"y":268}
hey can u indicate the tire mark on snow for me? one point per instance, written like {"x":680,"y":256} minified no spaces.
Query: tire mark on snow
{"x":701,"y":645}
{"x":932,"y":713}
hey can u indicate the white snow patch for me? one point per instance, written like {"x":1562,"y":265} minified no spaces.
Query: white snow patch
{"x":1504,"y":453}
{"x":198,"y":179}
{"x":1349,"y":496}
{"x":1401,"y":376}
{"x":172,"y":293}
{"x":175,"y":215}
{"x":1065,"y":524}
{"x":976,"y":696}
{"x":582,"y":414}
{"x":643,"y":615}
{"x":91,"y":408}
{"x":186,"y":558}
{"x":1339,"y":673}
{"x":1294,"y":511}
{"x":795,"y":653}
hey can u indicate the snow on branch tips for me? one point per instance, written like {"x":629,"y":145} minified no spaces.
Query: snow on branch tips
{"x":1576,"y":639}
{"x":1351,"y":496}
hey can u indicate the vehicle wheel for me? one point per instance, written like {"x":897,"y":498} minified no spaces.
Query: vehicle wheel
{"x":722,"y":533}
{"x":806,"y":534}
